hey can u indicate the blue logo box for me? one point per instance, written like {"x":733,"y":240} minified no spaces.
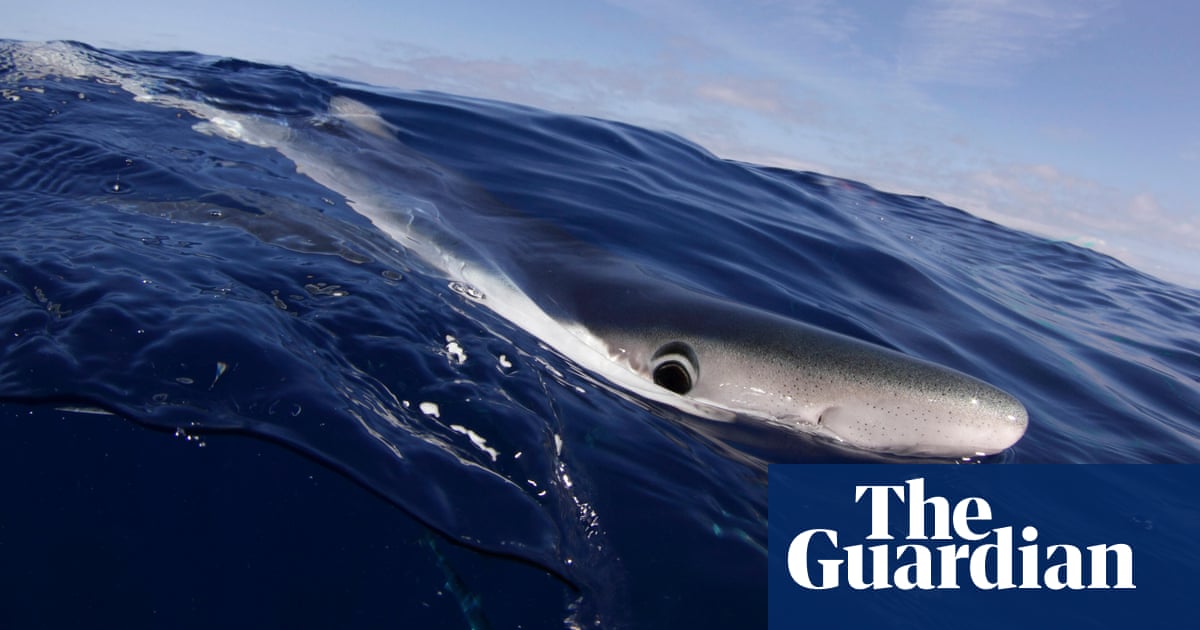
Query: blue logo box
{"x":979,"y":546}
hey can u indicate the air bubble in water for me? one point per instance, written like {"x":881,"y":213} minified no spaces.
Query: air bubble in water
{"x":117,"y":187}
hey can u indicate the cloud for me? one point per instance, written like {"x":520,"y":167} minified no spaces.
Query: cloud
{"x":750,"y":24}
{"x":743,"y":99}
{"x":809,"y":42}
{"x":1042,"y":199}
{"x":986,"y":42}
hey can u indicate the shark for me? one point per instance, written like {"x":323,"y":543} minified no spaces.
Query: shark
{"x":683,"y":348}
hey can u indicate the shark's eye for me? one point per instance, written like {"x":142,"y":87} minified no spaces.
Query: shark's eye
{"x":674,"y":367}
{"x":673,"y":376}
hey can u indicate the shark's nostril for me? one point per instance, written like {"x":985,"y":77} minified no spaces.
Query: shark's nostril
{"x":829,"y":418}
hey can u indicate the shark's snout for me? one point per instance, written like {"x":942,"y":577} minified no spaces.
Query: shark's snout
{"x":739,"y":360}
{"x":948,"y":427}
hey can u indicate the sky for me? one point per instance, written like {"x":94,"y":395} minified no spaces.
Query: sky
{"x":1073,"y":119}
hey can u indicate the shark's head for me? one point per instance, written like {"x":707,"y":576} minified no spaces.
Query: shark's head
{"x":736,"y":361}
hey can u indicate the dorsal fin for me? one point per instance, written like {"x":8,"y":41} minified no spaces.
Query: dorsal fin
{"x":361,"y":116}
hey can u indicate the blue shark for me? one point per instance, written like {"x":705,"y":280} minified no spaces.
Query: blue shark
{"x":700,"y":354}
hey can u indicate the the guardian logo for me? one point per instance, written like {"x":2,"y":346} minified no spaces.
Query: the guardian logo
{"x":973,"y":554}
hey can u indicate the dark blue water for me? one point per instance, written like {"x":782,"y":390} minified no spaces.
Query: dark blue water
{"x":212,"y":368}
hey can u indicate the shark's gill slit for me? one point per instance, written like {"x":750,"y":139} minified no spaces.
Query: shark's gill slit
{"x":674,"y":367}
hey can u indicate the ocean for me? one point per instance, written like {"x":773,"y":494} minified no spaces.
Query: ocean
{"x":227,"y":398}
